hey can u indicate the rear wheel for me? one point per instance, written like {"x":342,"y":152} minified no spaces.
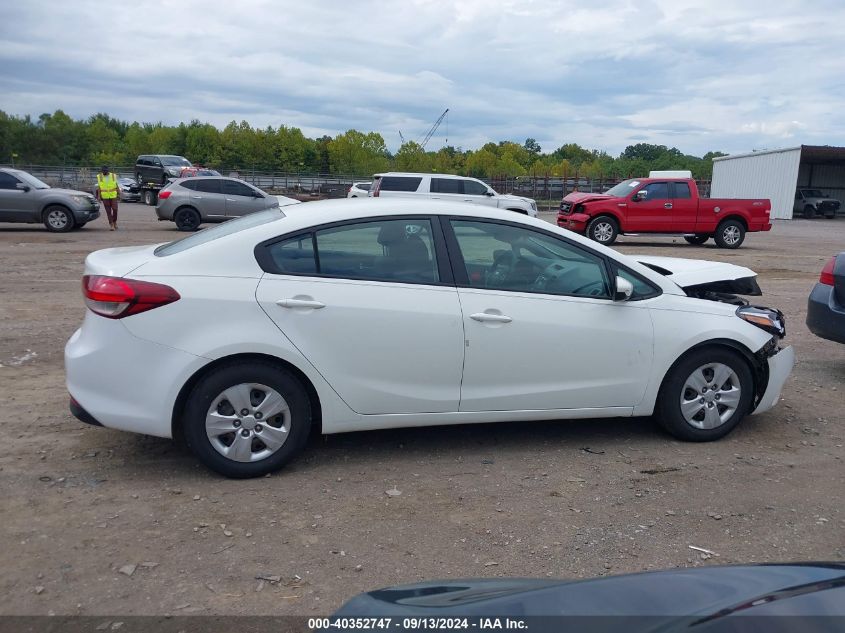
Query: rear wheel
{"x":247,"y":419}
{"x":696,"y":239}
{"x":705,"y":395}
{"x":150,"y":197}
{"x":187,"y":219}
{"x":603,"y":230}
{"x":58,"y":219}
{"x":730,"y":234}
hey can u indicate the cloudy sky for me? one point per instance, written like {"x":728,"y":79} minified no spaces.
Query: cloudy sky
{"x":716,"y":74}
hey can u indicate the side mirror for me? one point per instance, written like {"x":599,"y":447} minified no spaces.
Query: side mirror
{"x":257,"y":194}
{"x":23,"y":186}
{"x":624,"y":289}
{"x":641,"y":195}
{"x":489,"y":193}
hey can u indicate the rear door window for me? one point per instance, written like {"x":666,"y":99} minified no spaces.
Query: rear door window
{"x":211,"y":185}
{"x":681,"y":190}
{"x":399,"y":183}
{"x":447,"y":185}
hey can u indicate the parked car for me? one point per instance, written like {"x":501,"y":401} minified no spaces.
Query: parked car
{"x":359,"y":190}
{"x":159,"y":168}
{"x":715,"y":599}
{"x":809,"y":202}
{"x":189,"y":202}
{"x":24,"y":198}
{"x":129,"y":190}
{"x":449,"y":188}
{"x":663,"y":205}
{"x":826,"y":305}
{"x":195,"y":170}
{"x":396,"y":313}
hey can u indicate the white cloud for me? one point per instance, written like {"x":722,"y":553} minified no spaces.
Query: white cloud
{"x":721,"y":75}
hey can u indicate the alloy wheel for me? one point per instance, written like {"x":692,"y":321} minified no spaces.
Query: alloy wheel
{"x":57,"y":219}
{"x":603,"y":232}
{"x":731,"y":235}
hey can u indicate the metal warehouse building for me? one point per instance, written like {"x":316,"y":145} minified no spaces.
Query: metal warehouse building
{"x":779,"y":174}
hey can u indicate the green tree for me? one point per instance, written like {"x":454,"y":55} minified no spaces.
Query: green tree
{"x":412,"y":157}
{"x":354,"y":152}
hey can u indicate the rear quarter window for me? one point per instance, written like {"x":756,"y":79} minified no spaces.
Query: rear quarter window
{"x":399,"y":183}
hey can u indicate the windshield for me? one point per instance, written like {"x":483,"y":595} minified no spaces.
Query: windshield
{"x":622,"y":189}
{"x":812,"y":193}
{"x":221,"y":230}
{"x":175,"y":161}
{"x":31,"y":180}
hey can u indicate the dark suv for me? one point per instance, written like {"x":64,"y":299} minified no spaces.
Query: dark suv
{"x":159,"y":168}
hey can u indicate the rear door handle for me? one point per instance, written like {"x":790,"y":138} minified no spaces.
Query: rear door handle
{"x":488,"y":317}
{"x":197,"y":197}
{"x":300,"y":303}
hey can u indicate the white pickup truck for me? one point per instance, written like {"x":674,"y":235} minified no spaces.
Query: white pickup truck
{"x":447,"y":187}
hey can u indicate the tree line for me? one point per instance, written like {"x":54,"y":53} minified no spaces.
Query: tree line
{"x":58,"y":139}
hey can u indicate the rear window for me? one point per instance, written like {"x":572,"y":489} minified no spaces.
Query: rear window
{"x":447,"y":185}
{"x":220,"y":230}
{"x":399,"y":183}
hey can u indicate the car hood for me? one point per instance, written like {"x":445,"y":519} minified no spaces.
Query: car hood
{"x":576,"y":196}
{"x":68,"y":192}
{"x":510,"y":196}
{"x":697,"y":273}
{"x":708,"y":594}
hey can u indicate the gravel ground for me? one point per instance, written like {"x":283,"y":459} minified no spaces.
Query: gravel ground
{"x":96,"y":521}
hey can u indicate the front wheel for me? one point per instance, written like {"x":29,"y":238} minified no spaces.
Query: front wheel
{"x":603,"y":230}
{"x":730,"y":234}
{"x":187,"y":219}
{"x":697,"y":240}
{"x":247,"y":419}
{"x":705,"y":395}
{"x":809,"y":212}
{"x":58,"y":219}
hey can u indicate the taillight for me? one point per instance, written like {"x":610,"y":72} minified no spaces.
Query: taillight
{"x":826,"y":277}
{"x":116,"y":297}
{"x":164,"y":194}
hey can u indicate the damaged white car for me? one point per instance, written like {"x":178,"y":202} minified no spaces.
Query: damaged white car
{"x":245,"y":337}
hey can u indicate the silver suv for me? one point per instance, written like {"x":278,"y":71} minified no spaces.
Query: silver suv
{"x":191,"y":201}
{"x":24,"y":198}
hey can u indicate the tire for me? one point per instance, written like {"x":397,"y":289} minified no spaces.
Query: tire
{"x":139,"y":179}
{"x":730,"y":234}
{"x":58,"y":219}
{"x":809,"y":212}
{"x":209,"y":412}
{"x":603,"y":229}
{"x":187,"y":219}
{"x":696,"y":240}
{"x":150,"y":197}
{"x":679,"y":409}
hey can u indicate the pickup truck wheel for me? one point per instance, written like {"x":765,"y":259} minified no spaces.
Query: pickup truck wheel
{"x":730,"y":234}
{"x":696,"y":239}
{"x":809,"y":212}
{"x":603,"y":230}
{"x":150,"y":197}
{"x":58,"y":219}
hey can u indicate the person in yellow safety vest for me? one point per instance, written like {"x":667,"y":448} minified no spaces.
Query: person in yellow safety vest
{"x":108,"y":193}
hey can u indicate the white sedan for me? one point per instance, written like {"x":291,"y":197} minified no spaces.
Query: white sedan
{"x":245,"y":337}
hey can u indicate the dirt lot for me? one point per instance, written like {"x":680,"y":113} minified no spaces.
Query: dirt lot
{"x":96,"y":521}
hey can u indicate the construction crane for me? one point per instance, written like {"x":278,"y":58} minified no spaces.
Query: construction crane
{"x":401,"y":138}
{"x":434,"y":128}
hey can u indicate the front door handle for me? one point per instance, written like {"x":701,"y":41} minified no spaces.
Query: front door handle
{"x":488,"y":317}
{"x":300,"y":303}
{"x":197,"y":197}
{"x":667,"y":205}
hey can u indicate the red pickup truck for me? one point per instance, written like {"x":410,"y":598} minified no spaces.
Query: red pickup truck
{"x":663,"y":205}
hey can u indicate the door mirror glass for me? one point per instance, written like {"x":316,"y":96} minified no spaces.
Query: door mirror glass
{"x":641,"y":195}
{"x":23,"y":186}
{"x":624,"y":289}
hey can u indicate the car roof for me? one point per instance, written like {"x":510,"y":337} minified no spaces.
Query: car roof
{"x":419,"y":174}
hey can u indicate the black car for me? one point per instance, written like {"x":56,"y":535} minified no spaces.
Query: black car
{"x":768,"y":597}
{"x":826,"y":305}
{"x":159,"y":168}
